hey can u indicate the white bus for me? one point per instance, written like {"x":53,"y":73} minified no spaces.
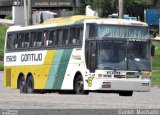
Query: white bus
{"x":80,"y":54}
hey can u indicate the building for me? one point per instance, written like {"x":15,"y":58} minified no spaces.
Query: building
{"x":50,"y":5}
{"x":5,"y":7}
{"x":15,"y":8}
{"x":57,"y":6}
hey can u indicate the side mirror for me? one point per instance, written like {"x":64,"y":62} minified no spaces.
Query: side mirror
{"x":152,"y":50}
{"x":153,"y":33}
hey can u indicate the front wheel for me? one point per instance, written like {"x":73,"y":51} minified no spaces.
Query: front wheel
{"x":79,"y":86}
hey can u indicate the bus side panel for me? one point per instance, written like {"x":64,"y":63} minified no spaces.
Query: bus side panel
{"x":42,"y":76}
{"x":73,"y":67}
{"x":62,"y":68}
{"x":47,"y":65}
{"x":7,"y":77}
{"x":49,"y":75}
{"x":53,"y":69}
{"x":58,"y":69}
{"x":11,"y":74}
{"x":40,"y":73}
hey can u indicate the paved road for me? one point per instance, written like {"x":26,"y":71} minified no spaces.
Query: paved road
{"x":12,"y":99}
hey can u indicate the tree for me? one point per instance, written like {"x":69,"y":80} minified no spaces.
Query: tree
{"x":103,"y":7}
{"x":106,"y":7}
{"x":82,"y":6}
{"x":135,"y":8}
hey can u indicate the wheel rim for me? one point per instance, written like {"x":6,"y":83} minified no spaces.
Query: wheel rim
{"x":21,"y":85}
{"x":79,"y":89}
{"x":30,"y":86}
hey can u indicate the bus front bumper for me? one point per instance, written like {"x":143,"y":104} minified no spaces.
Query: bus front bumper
{"x":142,"y":85}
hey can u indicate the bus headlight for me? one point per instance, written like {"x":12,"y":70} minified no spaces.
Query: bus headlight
{"x":145,"y":75}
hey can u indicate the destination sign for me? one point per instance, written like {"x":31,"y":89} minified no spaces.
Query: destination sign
{"x":52,"y":3}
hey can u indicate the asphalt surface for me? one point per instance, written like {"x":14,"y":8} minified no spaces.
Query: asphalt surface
{"x":12,"y":99}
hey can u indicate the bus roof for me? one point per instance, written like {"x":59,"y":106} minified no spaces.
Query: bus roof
{"x":77,"y":19}
{"x":114,"y":21}
{"x":69,"y":20}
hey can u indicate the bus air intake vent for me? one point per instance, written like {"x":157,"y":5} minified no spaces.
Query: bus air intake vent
{"x":119,"y":76}
{"x":8,"y":77}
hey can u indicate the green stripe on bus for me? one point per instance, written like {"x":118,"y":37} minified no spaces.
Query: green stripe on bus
{"x":54,"y":69}
{"x":62,"y":69}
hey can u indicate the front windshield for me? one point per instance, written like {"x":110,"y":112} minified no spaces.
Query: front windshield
{"x":122,"y":55}
{"x":138,"y":56}
{"x":111,"y":55}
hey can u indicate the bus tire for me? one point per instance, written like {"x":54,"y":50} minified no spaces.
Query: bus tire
{"x":125,"y":93}
{"x":22,"y":85}
{"x":30,"y":85}
{"x":79,"y":86}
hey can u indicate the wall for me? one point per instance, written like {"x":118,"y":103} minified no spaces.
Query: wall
{"x":18,"y":15}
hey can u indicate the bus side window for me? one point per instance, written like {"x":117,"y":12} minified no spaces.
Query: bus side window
{"x":52,"y":38}
{"x":21,"y":40}
{"x":26,"y":41}
{"x":33,"y":39}
{"x":45,"y":38}
{"x":65,"y":37}
{"x":39,"y":39}
{"x":59,"y":35}
{"x":92,"y":30}
{"x":16,"y":41}
{"x":79,"y":35}
{"x":11,"y":41}
{"x":73,"y":35}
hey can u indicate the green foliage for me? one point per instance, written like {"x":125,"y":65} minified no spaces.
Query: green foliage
{"x":156,"y":58}
{"x":9,"y":17}
{"x":81,"y":8}
{"x":135,"y":8}
{"x":156,"y":78}
{"x":155,"y":3}
{"x":103,"y":7}
{"x":1,"y":67}
{"x":107,"y":7}
{"x":156,"y":65}
{"x":2,"y":40}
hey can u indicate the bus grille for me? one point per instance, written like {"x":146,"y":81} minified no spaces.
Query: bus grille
{"x":119,"y":76}
{"x":8,"y":77}
{"x":125,"y":76}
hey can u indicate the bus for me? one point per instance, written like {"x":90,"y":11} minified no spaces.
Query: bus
{"x":81,"y":54}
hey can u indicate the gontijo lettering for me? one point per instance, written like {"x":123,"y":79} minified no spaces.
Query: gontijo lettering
{"x":31,"y":57}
